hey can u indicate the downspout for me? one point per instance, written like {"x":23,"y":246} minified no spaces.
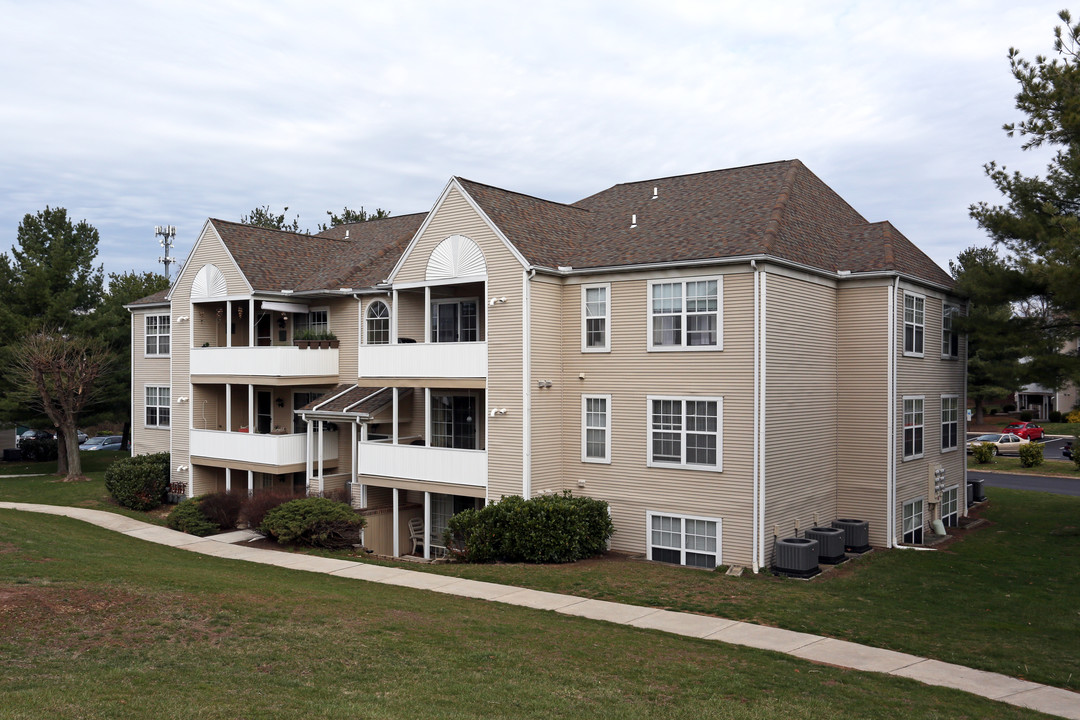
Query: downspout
{"x":762,"y":414}
{"x":890,"y":465}
{"x":755,"y":530}
{"x":526,"y":385}
{"x":963,"y":490}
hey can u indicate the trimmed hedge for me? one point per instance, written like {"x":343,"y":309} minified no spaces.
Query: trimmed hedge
{"x":314,"y":521}
{"x":1031,"y":455}
{"x":140,"y":482}
{"x":983,"y":452}
{"x":38,"y":449}
{"x":544,"y":529}
{"x":188,"y":517}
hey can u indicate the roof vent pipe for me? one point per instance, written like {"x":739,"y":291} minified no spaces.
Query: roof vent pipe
{"x":633,"y":221}
{"x":655,"y":192}
{"x":346,"y":234}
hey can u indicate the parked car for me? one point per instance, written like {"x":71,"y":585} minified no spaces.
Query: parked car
{"x":1002,"y":442}
{"x":102,"y":442}
{"x":40,"y":434}
{"x":1028,"y":430}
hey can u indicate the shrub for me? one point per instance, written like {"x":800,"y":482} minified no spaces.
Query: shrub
{"x":993,"y":411}
{"x":188,"y":517}
{"x":1055,"y":416}
{"x":222,"y":509}
{"x":1026,"y":416}
{"x":253,"y":510}
{"x":544,"y":529}
{"x":139,"y":482}
{"x":1073,"y":417}
{"x":1008,"y":408}
{"x":314,"y":521}
{"x":1031,"y":454}
{"x":1076,"y":452}
{"x":983,"y":453}
{"x":38,"y":449}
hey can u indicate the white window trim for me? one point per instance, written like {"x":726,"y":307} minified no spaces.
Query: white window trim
{"x":307,"y":316}
{"x":389,"y":322}
{"x":607,"y":318}
{"x":607,"y":429}
{"x":944,"y":515}
{"x":904,"y":325}
{"x":903,"y":426}
{"x":158,"y":425}
{"x":922,"y":519}
{"x":649,"y":514}
{"x":684,"y":347}
{"x":949,"y":311}
{"x":957,"y":421}
{"x":146,"y":318}
{"x":684,"y":465}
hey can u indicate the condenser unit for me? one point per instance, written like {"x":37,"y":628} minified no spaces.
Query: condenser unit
{"x":856,"y":534}
{"x":830,"y":544}
{"x":796,"y":557}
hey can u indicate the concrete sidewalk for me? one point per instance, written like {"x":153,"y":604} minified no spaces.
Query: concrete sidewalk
{"x":1050,"y":700}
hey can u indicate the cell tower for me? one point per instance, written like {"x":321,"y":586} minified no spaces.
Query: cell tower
{"x":167,"y":233}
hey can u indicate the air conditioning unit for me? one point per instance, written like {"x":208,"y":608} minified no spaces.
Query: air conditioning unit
{"x":856,"y":534}
{"x":830,"y":544}
{"x":796,"y":557}
{"x":977,"y":493}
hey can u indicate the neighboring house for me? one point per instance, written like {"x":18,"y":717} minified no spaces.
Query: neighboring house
{"x":725,"y":358}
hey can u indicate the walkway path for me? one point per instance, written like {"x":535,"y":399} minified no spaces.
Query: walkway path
{"x":1051,"y":700}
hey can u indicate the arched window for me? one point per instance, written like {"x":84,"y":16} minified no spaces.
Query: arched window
{"x":378,"y":323}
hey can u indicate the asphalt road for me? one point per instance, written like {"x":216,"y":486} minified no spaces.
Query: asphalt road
{"x":1042,"y":483}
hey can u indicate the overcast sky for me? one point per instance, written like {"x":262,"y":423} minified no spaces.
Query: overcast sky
{"x":136,"y":114}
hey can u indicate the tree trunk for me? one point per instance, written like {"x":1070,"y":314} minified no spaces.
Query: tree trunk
{"x":71,"y":445}
{"x":978,"y":411}
{"x":61,"y":452}
{"x":125,"y":442}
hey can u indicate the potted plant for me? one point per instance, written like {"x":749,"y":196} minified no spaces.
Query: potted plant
{"x":303,"y":338}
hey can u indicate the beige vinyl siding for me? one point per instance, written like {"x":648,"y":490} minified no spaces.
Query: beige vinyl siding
{"x":863,"y":389}
{"x":411,"y":318}
{"x":800,"y":406}
{"x":208,"y":407}
{"x":629,"y":374}
{"x":551,"y":448}
{"x":344,"y":322}
{"x":455,"y":216}
{"x":208,"y":250}
{"x":147,"y":371}
{"x":931,"y":377}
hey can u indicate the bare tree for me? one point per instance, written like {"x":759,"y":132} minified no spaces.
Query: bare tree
{"x":64,"y":372}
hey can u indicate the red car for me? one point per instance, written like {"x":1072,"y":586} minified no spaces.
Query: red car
{"x":1031,"y":431}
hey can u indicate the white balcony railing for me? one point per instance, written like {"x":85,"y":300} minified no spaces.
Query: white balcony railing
{"x":261,"y":449}
{"x":413,"y":462}
{"x":428,"y":360}
{"x":283,"y":361}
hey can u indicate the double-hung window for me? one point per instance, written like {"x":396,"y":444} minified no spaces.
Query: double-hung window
{"x":950,"y":512}
{"x":913,"y":522}
{"x":377,"y":324}
{"x":914,"y":324}
{"x":595,"y":318}
{"x":685,"y":432}
{"x":685,"y":314}
{"x":950,"y":339}
{"x":315,"y":321}
{"x":913,"y":428}
{"x":157,"y":335}
{"x":950,"y":421}
{"x":596,"y":428}
{"x":157,"y":406}
{"x":684,"y":539}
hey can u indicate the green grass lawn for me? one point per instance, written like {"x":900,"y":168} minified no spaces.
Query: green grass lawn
{"x":1011,"y":464}
{"x":99,"y":625}
{"x":92,"y":461}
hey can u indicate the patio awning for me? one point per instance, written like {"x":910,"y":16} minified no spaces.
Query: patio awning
{"x":284,"y":306}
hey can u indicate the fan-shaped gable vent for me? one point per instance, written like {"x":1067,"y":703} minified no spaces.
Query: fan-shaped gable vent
{"x":456,"y":256}
{"x":209,"y":283}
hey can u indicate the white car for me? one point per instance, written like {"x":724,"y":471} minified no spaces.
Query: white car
{"x":1003,"y":443}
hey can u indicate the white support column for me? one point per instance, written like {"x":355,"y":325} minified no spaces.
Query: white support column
{"x":251,"y":409}
{"x":397,"y":539}
{"x":393,"y":320}
{"x":228,"y":324}
{"x":363,"y":488}
{"x":427,"y":525}
{"x":427,"y":314}
{"x":228,"y":407}
{"x":427,"y":417}
{"x":309,"y":456}
{"x":355,"y":453}
{"x":251,"y":483}
{"x":228,"y":480}
{"x":394,"y":392}
{"x":321,"y":488}
{"x":251,"y":324}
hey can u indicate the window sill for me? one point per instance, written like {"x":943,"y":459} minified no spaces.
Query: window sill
{"x":685,"y":348}
{"x":908,"y":458}
{"x":914,"y":354}
{"x":679,"y":466}
{"x":949,"y":450}
{"x":596,"y":350}
{"x":597,"y":461}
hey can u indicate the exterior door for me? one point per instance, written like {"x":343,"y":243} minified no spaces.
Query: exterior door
{"x":264,"y":413}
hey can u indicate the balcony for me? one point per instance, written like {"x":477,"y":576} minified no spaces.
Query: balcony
{"x":265,"y":362}
{"x":413,"y":462}
{"x":270,"y":450}
{"x":424,"y":360}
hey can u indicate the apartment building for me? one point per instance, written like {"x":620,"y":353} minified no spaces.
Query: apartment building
{"x":724,"y":357}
